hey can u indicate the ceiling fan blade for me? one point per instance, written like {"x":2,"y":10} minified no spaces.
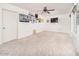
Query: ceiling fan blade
{"x":51,"y":10}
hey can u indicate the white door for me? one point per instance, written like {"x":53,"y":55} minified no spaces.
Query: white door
{"x":0,"y":25}
{"x":10,"y":28}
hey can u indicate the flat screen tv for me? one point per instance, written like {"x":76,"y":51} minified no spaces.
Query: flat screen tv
{"x":54,"y":20}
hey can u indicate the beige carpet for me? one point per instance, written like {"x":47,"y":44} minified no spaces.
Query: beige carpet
{"x":41,"y":44}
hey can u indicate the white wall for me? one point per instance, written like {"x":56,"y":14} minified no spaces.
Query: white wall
{"x":26,"y":29}
{"x":63,"y":24}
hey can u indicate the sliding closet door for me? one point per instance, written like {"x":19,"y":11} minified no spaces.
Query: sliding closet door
{"x":9,"y":25}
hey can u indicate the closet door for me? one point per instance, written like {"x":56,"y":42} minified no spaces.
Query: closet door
{"x":0,"y":25}
{"x":10,"y":28}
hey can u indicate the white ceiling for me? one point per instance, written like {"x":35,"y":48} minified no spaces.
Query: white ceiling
{"x":35,"y":7}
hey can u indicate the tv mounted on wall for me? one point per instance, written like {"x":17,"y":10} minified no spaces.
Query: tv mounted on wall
{"x":54,"y":20}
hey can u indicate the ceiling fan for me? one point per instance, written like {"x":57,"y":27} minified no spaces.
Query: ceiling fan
{"x":47,"y":10}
